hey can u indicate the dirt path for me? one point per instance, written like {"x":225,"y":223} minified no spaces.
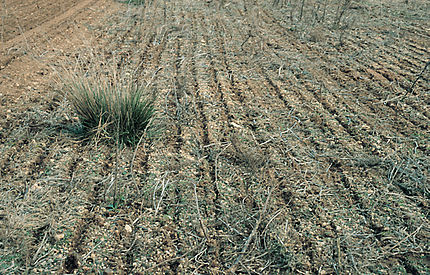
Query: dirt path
{"x":40,"y":31}
{"x":41,"y":18}
{"x":19,"y":17}
{"x":287,"y":145}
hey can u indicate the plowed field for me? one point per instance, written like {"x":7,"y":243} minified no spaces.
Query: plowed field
{"x":290,"y":137}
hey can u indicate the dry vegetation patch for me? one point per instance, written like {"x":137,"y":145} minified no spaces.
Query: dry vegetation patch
{"x":287,"y":140}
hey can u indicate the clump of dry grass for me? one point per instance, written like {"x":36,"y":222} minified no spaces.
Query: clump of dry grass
{"x":113,"y":111}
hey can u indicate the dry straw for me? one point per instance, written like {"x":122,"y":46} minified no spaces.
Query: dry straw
{"x":110,"y":106}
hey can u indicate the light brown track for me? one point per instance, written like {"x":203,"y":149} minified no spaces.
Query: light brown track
{"x":46,"y":26}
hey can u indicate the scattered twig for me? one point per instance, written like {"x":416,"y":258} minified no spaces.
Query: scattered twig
{"x":199,"y":214}
{"x":216,"y":161}
{"x":280,"y":69}
{"x":153,"y":77}
{"x":338,"y":252}
{"x":246,"y":39}
{"x":407,"y":237}
{"x":271,"y":220}
{"x":132,"y":245}
{"x":301,"y":10}
{"x":91,"y":251}
{"x":411,"y":89}
{"x":341,"y":12}
{"x":251,"y":236}
{"x":163,"y":186}
{"x":40,"y":246}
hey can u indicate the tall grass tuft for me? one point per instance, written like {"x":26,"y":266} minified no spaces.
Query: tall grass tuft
{"x":112,"y":111}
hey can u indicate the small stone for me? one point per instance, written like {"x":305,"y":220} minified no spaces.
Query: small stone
{"x":59,"y":237}
{"x":128,"y":228}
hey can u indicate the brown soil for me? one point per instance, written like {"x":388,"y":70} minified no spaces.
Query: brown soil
{"x":286,"y":141}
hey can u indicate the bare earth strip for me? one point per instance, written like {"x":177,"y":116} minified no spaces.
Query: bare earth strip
{"x":44,"y":27}
{"x":287,"y":139}
{"x":18,"y":17}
